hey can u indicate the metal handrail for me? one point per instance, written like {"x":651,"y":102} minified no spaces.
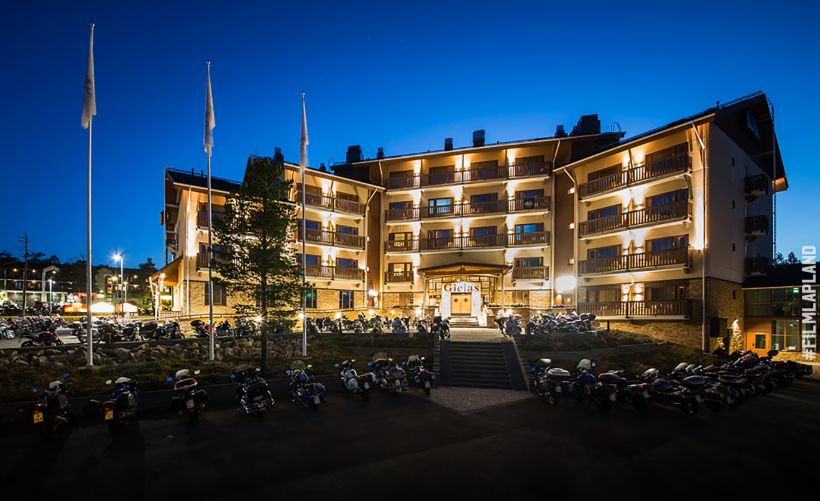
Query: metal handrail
{"x":638,"y":217}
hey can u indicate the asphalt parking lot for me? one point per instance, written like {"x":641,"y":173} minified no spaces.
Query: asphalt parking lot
{"x":408,"y":447}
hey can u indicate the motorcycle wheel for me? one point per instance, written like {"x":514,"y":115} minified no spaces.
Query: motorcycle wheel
{"x":553,"y":398}
{"x":26,"y":344}
{"x":426,"y":391}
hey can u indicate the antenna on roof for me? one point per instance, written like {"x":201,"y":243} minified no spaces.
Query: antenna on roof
{"x":615,"y":127}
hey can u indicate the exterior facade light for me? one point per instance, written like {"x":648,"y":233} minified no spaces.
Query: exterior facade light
{"x":566,"y":283}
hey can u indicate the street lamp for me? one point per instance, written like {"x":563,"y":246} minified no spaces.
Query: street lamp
{"x":50,"y":281}
{"x":119,"y":257}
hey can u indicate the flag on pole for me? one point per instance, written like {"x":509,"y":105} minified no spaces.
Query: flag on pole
{"x":89,"y":97}
{"x":210,"y":121}
{"x":303,"y":152}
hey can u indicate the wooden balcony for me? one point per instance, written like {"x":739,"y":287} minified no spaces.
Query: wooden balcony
{"x":531,"y":273}
{"x":635,"y":175}
{"x":323,"y":237}
{"x":755,"y":266}
{"x":467,"y":242}
{"x":398,"y":277}
{"x":471,"y":175}
{"x":334,"y":272}
{"x":630,"y":309}
{"x":756,"y":186}
{"x":756,"y":226}
{"x":467,"y":209}
{"x":636,"y":218}
{"x":330,"y":203}
{"x":631,"y":262}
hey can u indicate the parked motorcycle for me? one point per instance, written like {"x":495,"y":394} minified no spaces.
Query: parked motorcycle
{"x":667,"y":392}
{"x":358,"y":384}
{"x":586,"y":385}
{"x":417,"y":374}
{"x":441,"y":328}
{"x":45,"y":338}
{"x":302,"y":387}
{"x":388,"y":374}
{"x":200,"y":328}
{"x":631,"y":392}
{"x":252,"y":392}
{"x":188,"y":399}
{"x":121,"y":408}
{"x":52,"y":411}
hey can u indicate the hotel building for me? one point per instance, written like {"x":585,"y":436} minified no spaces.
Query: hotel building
{"x":628,"y":229}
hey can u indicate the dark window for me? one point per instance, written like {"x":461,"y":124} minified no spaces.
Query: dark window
{"x":347,"y":300}
{"x":786,"y":335}
{"x":483,"y":198}
{"x":667,"y":198}
{"x":611,"y":211}
{"x":220,"y":295}
{"x":401,"y":205}
{"x":528,"y":194}
{"x":528,"y":262}
{"x":785,"y":301}
{"x":310,"y":259}
{"x":345,"y":262}
{"x":609,"y":171}
{"x":347,"y":196}
{"x":313,"y":225}
{"x":529,"y":227}
{"x":347,"y":230}
{"x":448,"y":233}
{"x":483,"y":230}
{"x":666,"y":243}
{"x":760,"y":341}
{"x":310,"y":298}
{"x":757,"y":303}
{"x":609,"y":251}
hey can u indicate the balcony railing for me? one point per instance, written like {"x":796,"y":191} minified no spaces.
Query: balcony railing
{"x":467,"y":209}
{"x":756,"y":226}
{"x":635,"y":218}
{"x":334,"y":272}
{"x":471,"y":175}
{"x":394,"y":277}
{"x":636,"y":175}
{"x":756,"y":186}
{"x":639,"y":261}
{"x":468,"y":242}
{"x":324,"y":237}
{"x":328,"y":202}
{"x":626,"y":309}
{"x":531,"y":272}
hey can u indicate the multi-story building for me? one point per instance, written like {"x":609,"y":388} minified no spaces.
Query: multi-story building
{"x":630,"y":230}
{"x":338,"y":240}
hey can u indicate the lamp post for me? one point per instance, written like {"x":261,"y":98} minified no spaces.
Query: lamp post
{"x":119,"y":257}
{"x":50,"y":281}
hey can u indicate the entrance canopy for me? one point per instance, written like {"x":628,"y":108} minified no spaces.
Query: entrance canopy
{"x":465,"y":269}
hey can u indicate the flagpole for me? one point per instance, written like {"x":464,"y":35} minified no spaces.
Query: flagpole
{"x":210,"y":251}
{"x":89,"y":110}
{"x":88,"y":266}
{"x":302,"y":165}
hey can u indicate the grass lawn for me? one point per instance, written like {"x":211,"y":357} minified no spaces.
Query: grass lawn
{"x":579,"y":341}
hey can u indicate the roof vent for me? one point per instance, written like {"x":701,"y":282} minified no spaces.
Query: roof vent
{"x":380,"y":153}
{"x":587,"y":124}
{"x":448,"y":144}
{"x":478,"y":138}
{"x":559,"y":131}
{"x":322,"y":167}
{"x":354,"y":154}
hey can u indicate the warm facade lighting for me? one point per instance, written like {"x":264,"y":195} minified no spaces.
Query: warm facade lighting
{"x":566,"y":283}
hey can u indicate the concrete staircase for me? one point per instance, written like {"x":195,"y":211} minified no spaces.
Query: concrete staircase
{"x":477,"y":364}
{"x":456,"y":322}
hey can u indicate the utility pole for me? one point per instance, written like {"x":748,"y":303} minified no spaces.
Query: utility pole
{"x":25,"y":270}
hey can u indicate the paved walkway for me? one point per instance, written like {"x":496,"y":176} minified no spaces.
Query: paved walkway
{"x":484,"y":334}
{"x":467,"y":400}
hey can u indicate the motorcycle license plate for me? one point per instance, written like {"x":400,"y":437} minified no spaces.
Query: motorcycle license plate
{"x":397,"y":383}
{"x":557,"y":389}
{"x":366,"y":385}
{"x":645,"y":394}
{"x":109,"y":414}
{"x":38,"y":417}
{"x":316,"y":400}
{"x":257,"y":398}
{"x":699,"y":399}
{"x":612,"y":397}
{"x":190,"y":404}
{"x":427,"y":384}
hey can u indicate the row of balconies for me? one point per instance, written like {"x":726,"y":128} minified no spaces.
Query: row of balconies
{"x":518,"y":273}
{"x":626,"y":309}
{"x":468,"y":242}
{"x":468,"y":209}
{"x":334,"y":272}
{"x":636,"y":175}
{"x":471,"y":175}
{"x":636,"y":218}
{"x":333,"y":238}
{"x":638,"y":261}
{"x":331,"y":203}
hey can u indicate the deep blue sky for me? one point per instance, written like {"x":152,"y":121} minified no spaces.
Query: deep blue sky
{"x":402,"y":76}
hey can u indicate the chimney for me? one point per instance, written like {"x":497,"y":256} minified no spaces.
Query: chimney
{"x":380,"y":153}
{"x":478,"y":138}
{"x":587,"y":124}
{"x":322,"y":167}
{"x":448,"y":144}
{"x":277,"y":155}
{"x":354,"y":154}
{"x":559,"y":131}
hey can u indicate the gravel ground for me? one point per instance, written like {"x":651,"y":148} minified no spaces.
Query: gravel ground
{"x":467,"y":400}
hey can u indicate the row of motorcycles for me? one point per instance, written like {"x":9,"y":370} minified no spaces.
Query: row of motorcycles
{"x":385,"y":373}
{"x":379,"y":324}
{"x":52,"y":411}
{"x":545,"y":323}
{"x":742,"y":375}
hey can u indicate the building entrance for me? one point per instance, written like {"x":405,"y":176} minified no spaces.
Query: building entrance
{"x":460,"y":304}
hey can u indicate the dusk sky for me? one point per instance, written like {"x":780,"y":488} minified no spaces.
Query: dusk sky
{"x":399,"y":76}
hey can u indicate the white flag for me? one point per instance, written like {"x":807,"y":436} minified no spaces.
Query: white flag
{"x":210,"y":121}
{"x":303,"y":151}
{"x":89,"y":97}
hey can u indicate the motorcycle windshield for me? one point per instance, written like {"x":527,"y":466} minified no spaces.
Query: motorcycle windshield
{"x":380,"y":357}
